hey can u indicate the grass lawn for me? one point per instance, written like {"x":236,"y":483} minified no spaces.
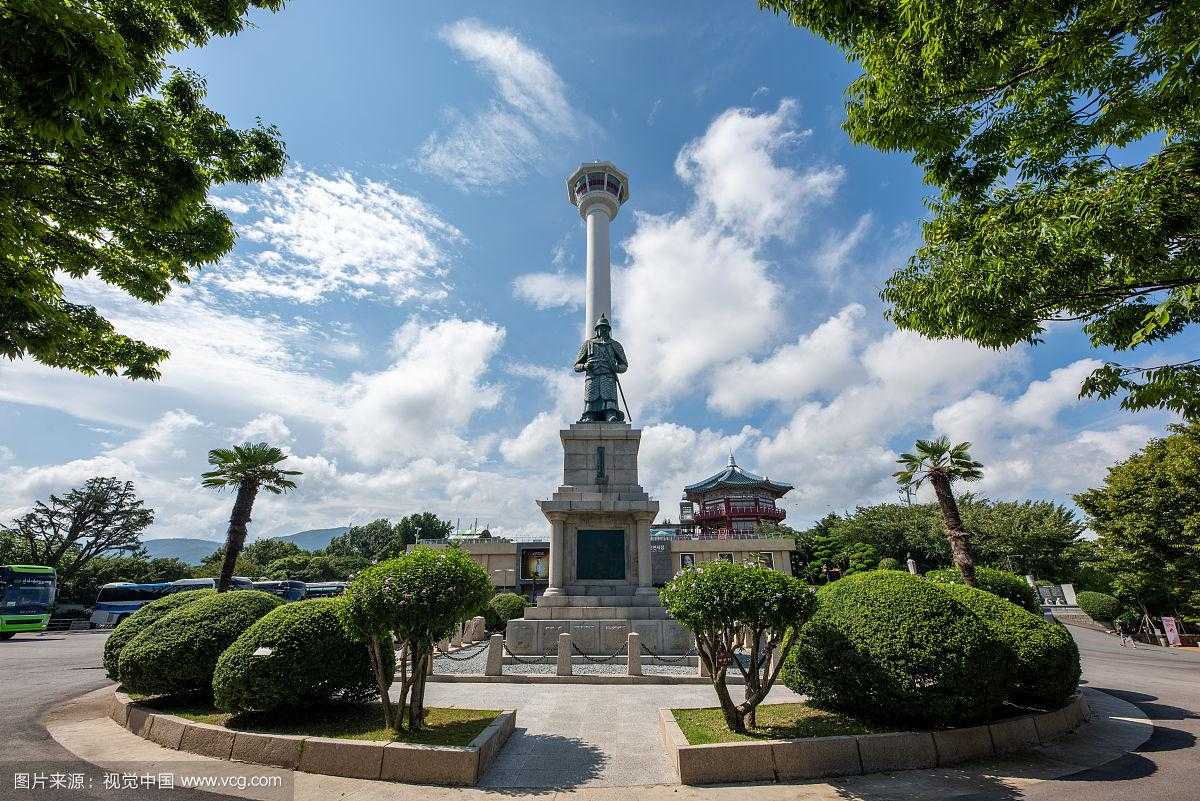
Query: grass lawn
{"x":444,"y":726}
{"x":775,"y":722}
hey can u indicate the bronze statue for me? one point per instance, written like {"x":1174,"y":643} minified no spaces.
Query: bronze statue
{"x":602,"y":358}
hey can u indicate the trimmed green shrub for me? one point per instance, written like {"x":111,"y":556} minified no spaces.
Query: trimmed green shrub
{"x":176,"y":655}
{"x":312,"y":659}
{"x":888,"y":563}
{"x":1007,"y":585}
{"x":503,"y":607}
{"x":133,"y":625}
{"x":1047,"y":657}
{"x":892,"y":647}
{"x":1099,"y":606}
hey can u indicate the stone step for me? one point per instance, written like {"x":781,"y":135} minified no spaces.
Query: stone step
{"x":596,"y":613}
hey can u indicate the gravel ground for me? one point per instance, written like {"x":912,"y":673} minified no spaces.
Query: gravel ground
{"x":470,"y":662}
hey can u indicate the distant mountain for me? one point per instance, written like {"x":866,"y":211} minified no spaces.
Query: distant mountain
{"x":194,"y":551}
{"x":314,"y":539}
{"x":188,"y":549}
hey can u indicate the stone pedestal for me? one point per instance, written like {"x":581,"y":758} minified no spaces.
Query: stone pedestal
{"x":600,"y":586}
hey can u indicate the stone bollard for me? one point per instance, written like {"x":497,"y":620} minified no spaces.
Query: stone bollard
{"x":703,"y":670}
{"x":429,"y":664}
{"x":443,"y":645}
{"x":495,"y":656}
{"x":456,"y":640}
{"x":633,"y":651}
{"x":775,"y":657}
{"x":564,"y":654}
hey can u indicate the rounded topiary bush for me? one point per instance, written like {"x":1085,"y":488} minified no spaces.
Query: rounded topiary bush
{"x":133,"y":625}
{"x":312,"y":659}
{"x":889,"y":646}
{"x":503,"y":607}
{"x":176,"y":655}
{"x":1007,"y":585}
{"x":1099,"y":605}
{"x":888,"y":563}
{"x":1047,"y":657}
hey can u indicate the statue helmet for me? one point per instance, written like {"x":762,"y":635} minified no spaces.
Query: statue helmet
{"x":601,"y":321}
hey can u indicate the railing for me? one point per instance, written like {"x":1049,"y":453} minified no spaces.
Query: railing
{"x":739,"y":509}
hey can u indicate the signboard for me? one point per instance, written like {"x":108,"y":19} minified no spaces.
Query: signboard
{"x":535,"y":564}
{"x":660,"y":561}
{"x":600,"y":555}
{"x":1171,"y":627}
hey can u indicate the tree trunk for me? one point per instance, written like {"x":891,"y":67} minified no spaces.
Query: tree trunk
{"x":235,"y":539}
{"x":960,"y":543}
{"x":389,"y":714}
{"x":416,"y":702}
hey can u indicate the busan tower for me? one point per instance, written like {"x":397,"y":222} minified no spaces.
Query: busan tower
{"x":597,"y":189}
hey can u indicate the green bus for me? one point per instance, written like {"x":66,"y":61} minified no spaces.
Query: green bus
{"x":26,"y":596}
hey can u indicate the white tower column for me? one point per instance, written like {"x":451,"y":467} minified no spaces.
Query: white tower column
{"x":597,"y":189}
{"x":599,"y":270}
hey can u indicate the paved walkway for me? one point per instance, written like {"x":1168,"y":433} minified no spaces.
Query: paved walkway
{"x":582,"y":735}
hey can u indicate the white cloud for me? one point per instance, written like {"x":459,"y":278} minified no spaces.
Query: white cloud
{"x":547,"y":290}
{"x":327,"y":235}
{"x":232,"y":205}
{"x":268,"y":426}
{"x":836,"y":249}
{"x":159,"y":440}
{"x":529,"y":113}
{"x":739,"y":181}
{"x":697,"y":291}
{"x":431,"y":390}
{"x":823,"y":360}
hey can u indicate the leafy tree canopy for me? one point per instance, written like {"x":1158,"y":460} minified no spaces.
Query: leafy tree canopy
{"x":1038,"y":537}
{"x":105,"y":168}
{"x":66,"y":532}
{"x":1022,"y":114}
{"x":1147,"y":518}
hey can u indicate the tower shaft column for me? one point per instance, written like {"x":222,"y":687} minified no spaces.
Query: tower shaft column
{"x":599,"y":273}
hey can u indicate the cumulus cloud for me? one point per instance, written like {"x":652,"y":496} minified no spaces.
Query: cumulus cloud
{"x":838,"y":247}
{"x":432,"y":389}
{"x":266,"y":427}
{"x":528,"y":113}
{"x":547,"y":290}
{"x":321,"y":236}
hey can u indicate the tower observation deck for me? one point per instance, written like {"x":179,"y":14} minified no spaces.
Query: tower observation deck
{"x":597,"y":189}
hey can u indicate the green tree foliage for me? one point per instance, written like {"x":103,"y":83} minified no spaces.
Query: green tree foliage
{"x":315,"y":567}
{"x":1099,"y":606}
{"x":66,"y":532}
{"x":892,"y":647}
{"x":1018,"y":113}
{"x":943,"y":464}
{"x":297,"y":670}
{"x":1038,"y":537}
{"x":719,"y":601}
{"x":105,"y":168}
{"x":141,"y":620}
{"x":423,"y":526}
{"x":888,"y":563}
{"x":1147,"y":518}
{"x":1008,"y":586}
{"x":379,"y":539}
{"x":1047,"y":657}
{"x":254,"y":561}
{"x":177,"y":654}
{"x":248,"y":468}
{"x":503,"y":607}
{"x":417,"y":598}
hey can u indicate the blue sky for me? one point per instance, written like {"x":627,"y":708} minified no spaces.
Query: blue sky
{"x":403,"y":304}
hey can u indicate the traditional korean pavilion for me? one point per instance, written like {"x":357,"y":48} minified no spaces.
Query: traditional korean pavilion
{"x":734,"y":502}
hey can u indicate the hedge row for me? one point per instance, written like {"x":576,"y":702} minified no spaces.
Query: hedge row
{"x":892,"y":647}
{"x":246,"y":649}
{"x":1007,"y":585}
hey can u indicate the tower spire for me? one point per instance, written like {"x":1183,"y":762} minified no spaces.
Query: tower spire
{"x":597,"y":189}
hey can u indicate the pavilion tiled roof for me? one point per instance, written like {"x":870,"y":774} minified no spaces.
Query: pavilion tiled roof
{"x":735,"y":477}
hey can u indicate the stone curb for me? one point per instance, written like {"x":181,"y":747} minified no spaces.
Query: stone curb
{"x":822,"y":757}
{"x":455,"y":766}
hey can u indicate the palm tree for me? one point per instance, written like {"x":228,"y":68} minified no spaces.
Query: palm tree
{"x":249,"y":467}
{"x":941,"y":464}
